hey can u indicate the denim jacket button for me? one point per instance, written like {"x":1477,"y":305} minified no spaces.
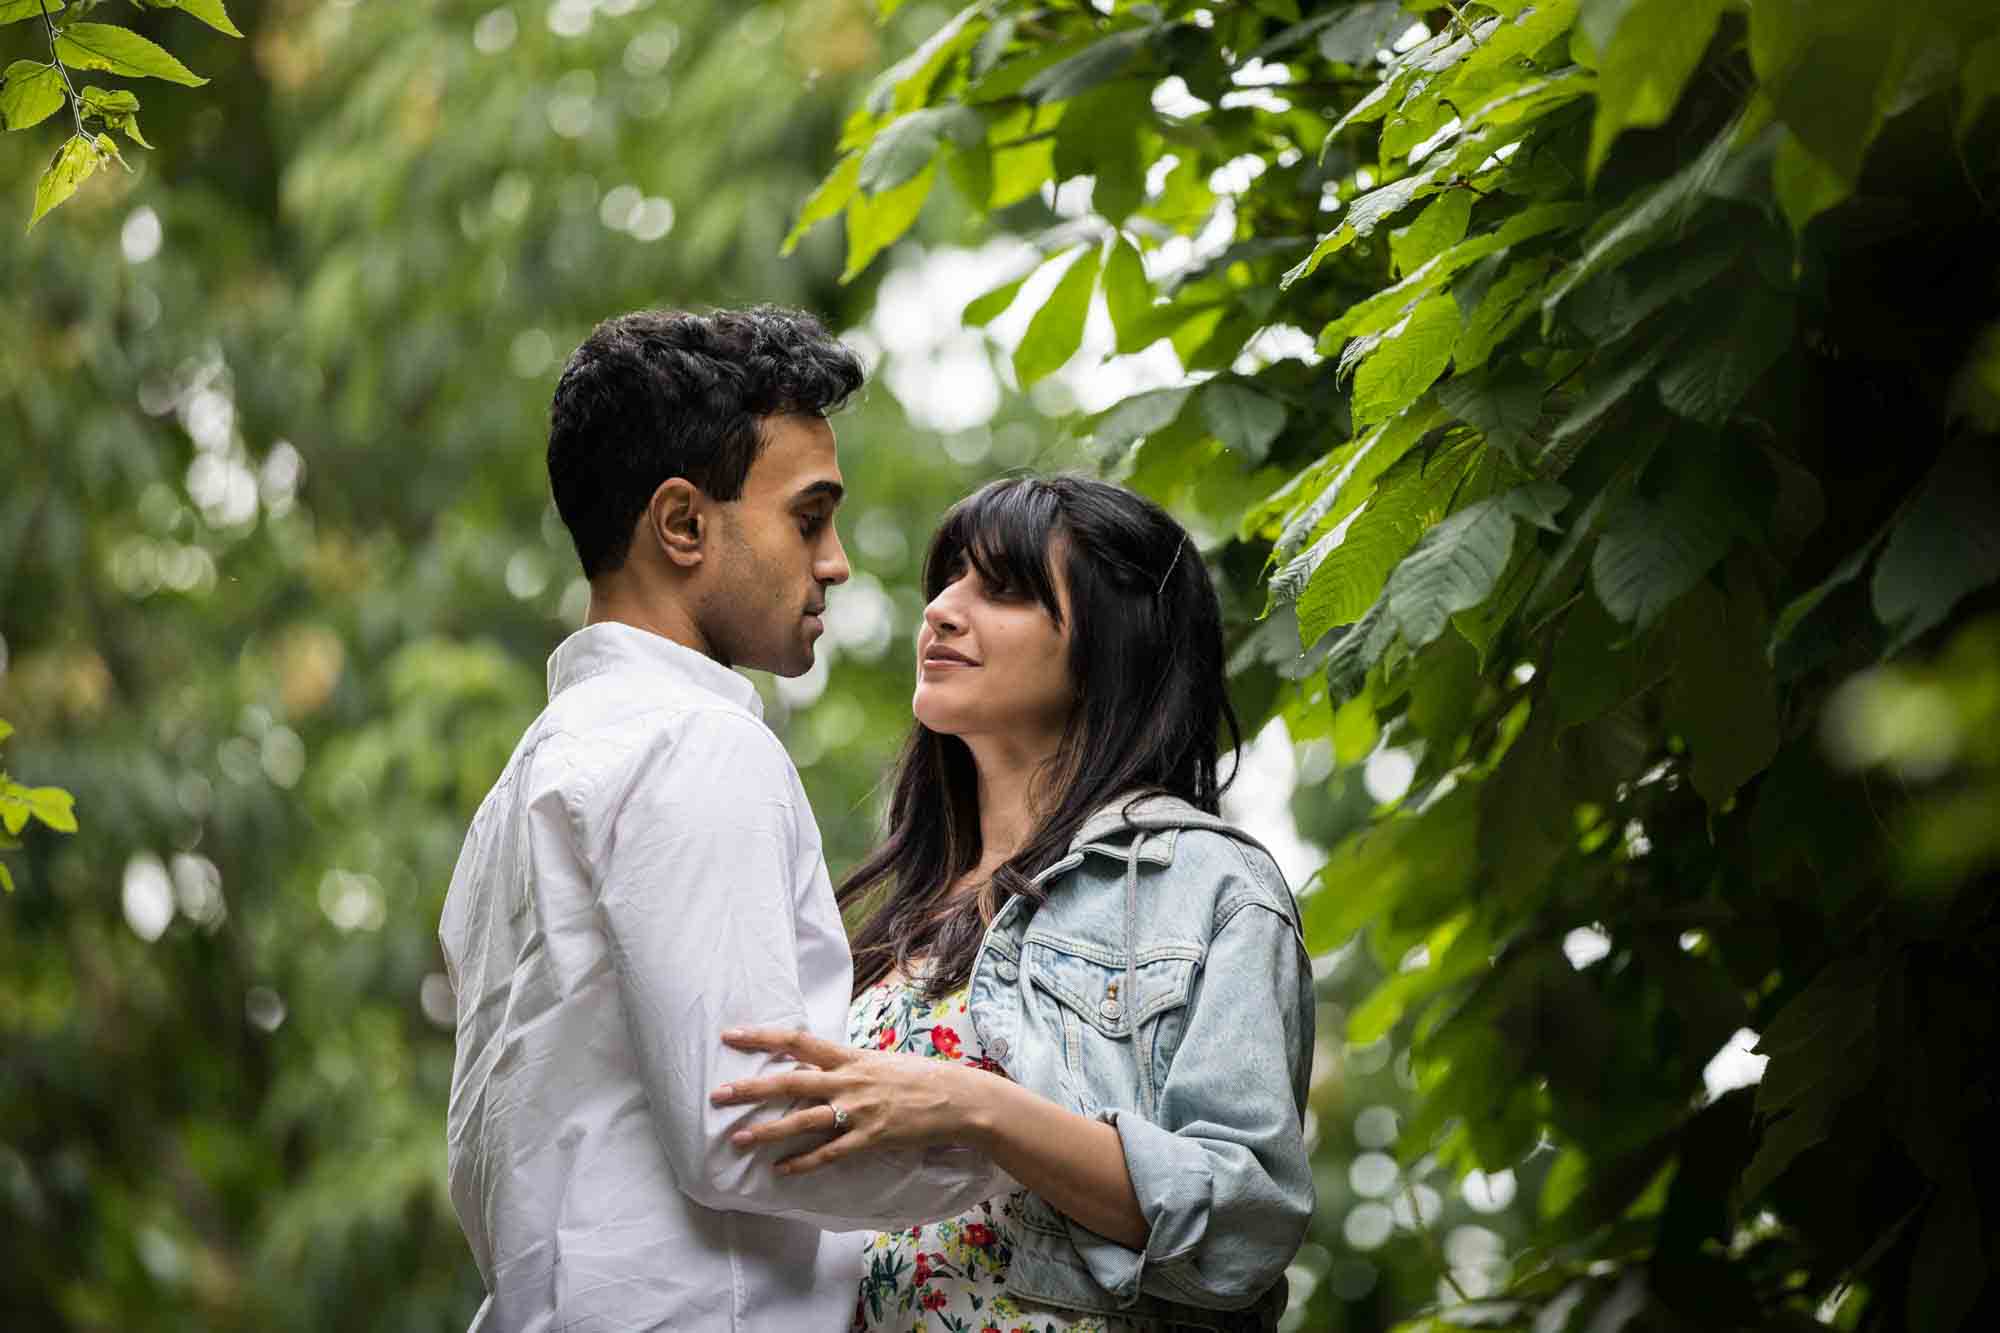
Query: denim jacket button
{"x":1109,"y":1008}
{"x":998,"y":1050}
{"x":1006,"y":971}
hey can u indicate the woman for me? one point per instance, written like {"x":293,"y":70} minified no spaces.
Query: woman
{"x":1071,"y":964}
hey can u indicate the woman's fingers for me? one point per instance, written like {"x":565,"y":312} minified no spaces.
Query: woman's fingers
{"x":795,"y":1042}
{"x":832,"y":1150}
{"x":793,"y":1085}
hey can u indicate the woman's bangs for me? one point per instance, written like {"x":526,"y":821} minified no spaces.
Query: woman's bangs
{"x":1004,"y":533}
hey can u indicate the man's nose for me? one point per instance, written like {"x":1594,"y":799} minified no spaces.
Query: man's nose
{"x":832,"y":568}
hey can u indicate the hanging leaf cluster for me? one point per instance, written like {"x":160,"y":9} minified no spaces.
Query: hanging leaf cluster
{"x":33,"y":90}
{"x":1592,"y":402}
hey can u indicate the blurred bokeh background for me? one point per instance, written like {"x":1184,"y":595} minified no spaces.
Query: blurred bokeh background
{"x":278,"y":576}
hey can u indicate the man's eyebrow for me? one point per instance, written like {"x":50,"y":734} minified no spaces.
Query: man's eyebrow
{"x":832,"y":490}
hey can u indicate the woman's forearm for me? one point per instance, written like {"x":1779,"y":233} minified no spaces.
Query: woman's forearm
{"x":1075,"y":1163}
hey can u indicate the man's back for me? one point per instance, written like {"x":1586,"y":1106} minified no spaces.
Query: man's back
{"x":585,"y":1207}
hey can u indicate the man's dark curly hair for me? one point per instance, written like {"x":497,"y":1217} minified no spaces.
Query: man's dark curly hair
{"x":658,"y":394}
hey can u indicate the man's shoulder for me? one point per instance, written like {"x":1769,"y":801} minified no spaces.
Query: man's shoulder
{"x":618,"y":720}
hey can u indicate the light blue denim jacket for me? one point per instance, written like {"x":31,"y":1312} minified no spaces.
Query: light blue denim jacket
{"x":1170,"y":920}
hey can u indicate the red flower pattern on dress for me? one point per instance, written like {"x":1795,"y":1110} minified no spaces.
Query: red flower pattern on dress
{"x":945,"y":1042}
{"x":935,"y":1300}
{"x":887,"y":1041}
{"x":979,"y":1234}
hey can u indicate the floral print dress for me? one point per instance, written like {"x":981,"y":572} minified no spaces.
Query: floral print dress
{"x":949,"y":1276}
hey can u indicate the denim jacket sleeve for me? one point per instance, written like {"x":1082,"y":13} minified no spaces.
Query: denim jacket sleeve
{"x":1221,"y":1172}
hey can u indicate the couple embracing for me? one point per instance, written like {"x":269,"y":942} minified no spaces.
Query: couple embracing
{"x":1056,"y":1081}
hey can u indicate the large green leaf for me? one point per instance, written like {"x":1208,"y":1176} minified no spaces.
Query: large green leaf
{"x":210,"y":12}
{"x":1440,"y":225}
{"x":1945,"y":546}
{"x":1824,"y":65}
{"x":831,"y":196}
{"x":1056,"y":331}
{"x":1408,"y":361}
{"x":31,"y":94}
{"x":74,"y":163}
{"x":1361,"y":462}
{"x":1128,"y":296}
{"x":1720,"y":694}
{"x":1242,"y":417}
{"x":1457,"y":563}
{"x":1503,"y":308}
{"x":121,"y":51}
{"x":874,"y":222}
{"x":1653,"y":551}
{"x":1138,"y":417}
{"x":13,"y":11}
{"x":1722,"y":357}
{"x":1339,"y":577}
{"x":1099,"y":137}
{"x":1645,"y":62}
{"x":905,"y":147}
{"x":1102,"y":60}
{"x":1366,"y":213}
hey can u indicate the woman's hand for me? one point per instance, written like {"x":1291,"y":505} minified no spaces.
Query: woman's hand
{"x":891,"y":1101}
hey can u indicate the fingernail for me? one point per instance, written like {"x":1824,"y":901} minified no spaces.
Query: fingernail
{"x":732,"y":1034}
{"x":740,"y":1138}
{"x":723,"y":1093}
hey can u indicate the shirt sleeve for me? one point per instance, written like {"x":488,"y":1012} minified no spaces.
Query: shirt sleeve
{"x":1221,"y":1172}
{"x":696,"y":875}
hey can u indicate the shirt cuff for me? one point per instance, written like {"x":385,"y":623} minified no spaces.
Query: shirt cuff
{"x":1173,"y":1183}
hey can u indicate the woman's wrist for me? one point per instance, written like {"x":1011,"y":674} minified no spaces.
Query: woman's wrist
{"x":973,"y":1096}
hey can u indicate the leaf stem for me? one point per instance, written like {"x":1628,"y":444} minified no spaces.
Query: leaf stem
{"x":75,"y":103}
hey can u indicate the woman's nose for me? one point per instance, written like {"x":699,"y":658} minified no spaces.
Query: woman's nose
{"x":941,"y":616}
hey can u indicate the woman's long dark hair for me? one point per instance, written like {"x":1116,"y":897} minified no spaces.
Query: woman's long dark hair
{"x":1146,"y":658}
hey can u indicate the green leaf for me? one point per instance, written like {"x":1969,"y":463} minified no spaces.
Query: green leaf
{"x":1440,"y":225}
{"x":1100,"y":61}
{"x":1355,"y":731}
{"x":1366,"y":213}
{"x":1137,"y":417}
{"x":1099,"y":137}
{"x":1979,"y":83}
{"x":1949,"y":1270}
{"x":1717,"y":364}
{"x":982,"y":309}
{"x":1353,"y":35}
{"x":118,"y":111}
{"x":1056,"y":331}
{"x":1805,"y":186}
{"x":1506,"y":305}
{"x":54,"y":807}
{"x":906,"y":146}
{"x":13,"y":11}
{"x":1362,"y":461}
{"x":14,"y":809}
{"x":1800,"y":608}
{"x":1504,"y":407}
{"x":1653,"y":551}
{"x":1344,"y":572}
{"x":1945,"y":546}
{"x":1644,"y":64}
{"x":120,"y":51}
{"x":73,"y":164}
{"x":1456,"y":564}
{"x":1128,"y":296}
{"x":1532,"y":100}
{"x":31,"y":94}
{"x":1410,"y":358}
{"x":6,"y":728}
{"x":6,"y":878}
{"x":1825,"y":66}
{"x":1597,"y":664}
{"x":876,"y":221}
{"x":1371,"y":871}
{"x":1720,"y":694}
{"x":827,"y":200}
{"x":210,"y":12}
{"x":1241,"y":417}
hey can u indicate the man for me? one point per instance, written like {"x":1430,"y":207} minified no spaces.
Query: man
{"x":646,"y":872}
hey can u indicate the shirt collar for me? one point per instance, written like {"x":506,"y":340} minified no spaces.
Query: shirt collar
{"x":611,"y":645}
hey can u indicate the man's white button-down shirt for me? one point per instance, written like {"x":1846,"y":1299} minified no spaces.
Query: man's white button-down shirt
{"x":646,"y":873}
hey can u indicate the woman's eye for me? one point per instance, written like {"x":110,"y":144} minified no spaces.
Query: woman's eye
{"x":811,"y":524}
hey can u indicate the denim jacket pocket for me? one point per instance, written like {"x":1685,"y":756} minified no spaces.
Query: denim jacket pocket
{"x":1087,"y":984}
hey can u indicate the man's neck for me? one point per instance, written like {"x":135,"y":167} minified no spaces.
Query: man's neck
{"x":617,"y":601}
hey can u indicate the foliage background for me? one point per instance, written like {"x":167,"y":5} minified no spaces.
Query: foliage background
{"x":1606,"y":520}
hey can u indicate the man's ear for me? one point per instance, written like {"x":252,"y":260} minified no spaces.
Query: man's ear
{"x":678,"y":519}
